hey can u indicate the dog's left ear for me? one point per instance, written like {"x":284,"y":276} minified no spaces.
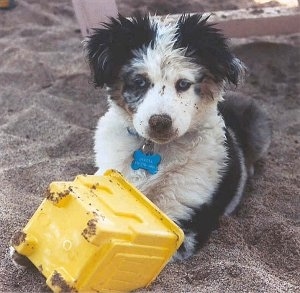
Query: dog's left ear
{"x":110,"y":47}
{"x":208,"y":46}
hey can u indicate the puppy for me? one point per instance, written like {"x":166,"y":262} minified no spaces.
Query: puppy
{"x":168,"y":128}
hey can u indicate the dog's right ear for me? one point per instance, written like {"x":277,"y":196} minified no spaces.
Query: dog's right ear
{"x":99,"y":56}
{"x":110,"y":47}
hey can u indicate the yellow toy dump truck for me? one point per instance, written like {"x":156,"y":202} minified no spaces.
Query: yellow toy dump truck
{"x":98,"y":234}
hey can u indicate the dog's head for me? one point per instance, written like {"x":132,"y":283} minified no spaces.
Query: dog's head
{"x":168,"y":77}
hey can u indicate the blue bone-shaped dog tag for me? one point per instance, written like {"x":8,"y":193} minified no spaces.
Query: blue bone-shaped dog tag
{"x":147,"y":162}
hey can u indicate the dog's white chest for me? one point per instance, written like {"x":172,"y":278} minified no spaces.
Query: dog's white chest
{"x":187,"y":175}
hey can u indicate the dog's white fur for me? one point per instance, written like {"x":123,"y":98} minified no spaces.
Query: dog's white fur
{"x":190,"y":165}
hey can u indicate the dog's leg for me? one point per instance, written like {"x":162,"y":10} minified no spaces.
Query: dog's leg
{"x":198,"y":229}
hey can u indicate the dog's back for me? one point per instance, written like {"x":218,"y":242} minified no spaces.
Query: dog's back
{"x":250,"y":124}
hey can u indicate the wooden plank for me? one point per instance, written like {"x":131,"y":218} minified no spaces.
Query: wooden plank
{"x":243,"y":23}
{"x":91,"y":13}
{"x":239,"y":23}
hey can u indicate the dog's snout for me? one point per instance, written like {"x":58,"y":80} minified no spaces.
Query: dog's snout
{"x":160,"y":123}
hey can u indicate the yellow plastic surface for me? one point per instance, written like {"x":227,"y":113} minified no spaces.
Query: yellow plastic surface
{"x":98,"y":233}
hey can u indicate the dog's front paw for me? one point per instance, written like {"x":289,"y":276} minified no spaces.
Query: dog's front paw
{"x":187,"y":248}
{"x":182,"y":254}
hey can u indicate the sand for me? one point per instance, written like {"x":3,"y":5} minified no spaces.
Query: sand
{"x":48,"y":114}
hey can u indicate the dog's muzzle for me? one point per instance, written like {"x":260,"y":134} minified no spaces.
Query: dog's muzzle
{"x":161,"y":128}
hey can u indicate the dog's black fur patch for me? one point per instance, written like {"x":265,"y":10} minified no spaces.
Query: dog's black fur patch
{"x":133,"y":89}
{"x":251,"y":127}
{"x":110,"y":47}
{"x":208,"y":46}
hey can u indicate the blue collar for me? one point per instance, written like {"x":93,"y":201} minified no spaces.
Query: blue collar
{"x":132,"y":132}
{"x":144,"y":158}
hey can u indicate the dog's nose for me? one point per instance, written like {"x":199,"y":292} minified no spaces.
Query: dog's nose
{"x":160,"y":122}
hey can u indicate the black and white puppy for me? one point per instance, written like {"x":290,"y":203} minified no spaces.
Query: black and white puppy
{"x":166,"y":82}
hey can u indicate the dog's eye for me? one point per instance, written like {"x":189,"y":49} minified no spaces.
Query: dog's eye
{"x":140,"y":81}
{"x":182,"y":85}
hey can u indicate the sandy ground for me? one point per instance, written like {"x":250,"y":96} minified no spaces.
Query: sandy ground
{"x":48,"y":113}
